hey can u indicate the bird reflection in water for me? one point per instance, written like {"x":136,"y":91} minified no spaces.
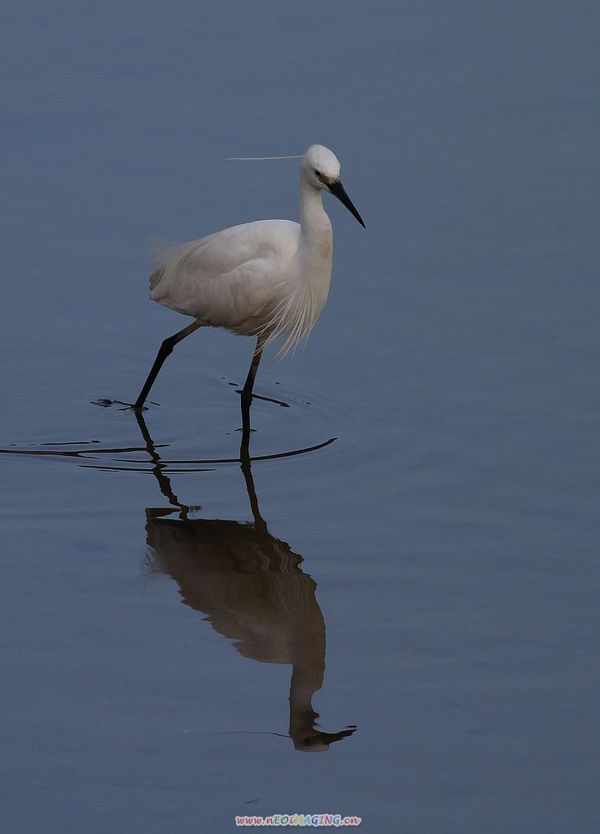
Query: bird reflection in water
{"x":251,"y":588}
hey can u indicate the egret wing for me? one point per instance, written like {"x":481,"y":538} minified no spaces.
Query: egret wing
{"x":228,"y":277}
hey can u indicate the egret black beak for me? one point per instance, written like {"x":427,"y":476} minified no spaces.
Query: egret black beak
{"x":339,"y":191}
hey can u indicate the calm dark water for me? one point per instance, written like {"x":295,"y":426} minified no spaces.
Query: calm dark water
{"x":431,"y":576}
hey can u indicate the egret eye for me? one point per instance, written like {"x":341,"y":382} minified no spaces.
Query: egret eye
{"x":318,"y":173}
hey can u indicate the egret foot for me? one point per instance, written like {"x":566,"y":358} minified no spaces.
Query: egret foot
{"x":104,"y":402}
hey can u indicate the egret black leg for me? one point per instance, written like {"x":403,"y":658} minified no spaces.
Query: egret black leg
{"x":165,"y":349}
{"x":249,"y":385}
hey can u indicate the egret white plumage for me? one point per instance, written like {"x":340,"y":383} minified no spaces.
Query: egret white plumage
{"x":266,"y":279}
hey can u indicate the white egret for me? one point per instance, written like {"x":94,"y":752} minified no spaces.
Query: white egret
{"x":267,"y":279}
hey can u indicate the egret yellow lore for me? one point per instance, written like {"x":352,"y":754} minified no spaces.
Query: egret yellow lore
{"x":266,"y":279}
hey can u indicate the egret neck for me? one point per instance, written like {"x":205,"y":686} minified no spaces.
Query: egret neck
{"x":315,"y":249}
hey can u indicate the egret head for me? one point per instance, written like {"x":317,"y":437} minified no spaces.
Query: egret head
{"x":322,"y":169}
{"x":320,"y":166}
